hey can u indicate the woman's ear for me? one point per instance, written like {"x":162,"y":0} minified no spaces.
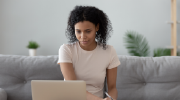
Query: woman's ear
{"x":97,"y":27}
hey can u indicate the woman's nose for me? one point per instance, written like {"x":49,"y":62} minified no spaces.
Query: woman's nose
{"x":83,"y":35}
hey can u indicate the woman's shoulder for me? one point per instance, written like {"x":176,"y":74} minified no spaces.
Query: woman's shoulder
{"x":69,"y":45}
{"x":108,"y":47}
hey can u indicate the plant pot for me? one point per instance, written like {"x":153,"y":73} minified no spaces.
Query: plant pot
{"x":32,"y":52}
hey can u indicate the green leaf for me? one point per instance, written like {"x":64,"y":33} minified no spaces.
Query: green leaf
{"x":32,"y":45}
{"x":178,"y":53}
{"x":161,"y":52}
{"x":136,"y":44}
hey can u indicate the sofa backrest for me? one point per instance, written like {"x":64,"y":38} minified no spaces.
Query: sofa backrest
{"x":138,"y":78}
{"x":148,"y":78}
{"x":16,"y":73}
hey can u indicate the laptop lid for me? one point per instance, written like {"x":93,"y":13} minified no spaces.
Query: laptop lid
{"x":58,"y":90}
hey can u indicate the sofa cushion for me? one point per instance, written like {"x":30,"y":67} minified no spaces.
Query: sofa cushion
{"x":148,"y":78}
{"x":16,"y":73}
{"x":3,"y":95}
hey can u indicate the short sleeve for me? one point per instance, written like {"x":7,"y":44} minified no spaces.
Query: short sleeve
{"x":65,"y":54}
{"x":114,"y":60}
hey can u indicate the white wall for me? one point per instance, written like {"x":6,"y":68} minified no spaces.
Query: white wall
{"x":45,"y":21}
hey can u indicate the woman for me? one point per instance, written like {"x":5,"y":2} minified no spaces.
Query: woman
{"x":87,"y":56}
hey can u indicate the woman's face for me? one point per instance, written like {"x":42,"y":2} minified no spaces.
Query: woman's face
{"x":86,"y":31}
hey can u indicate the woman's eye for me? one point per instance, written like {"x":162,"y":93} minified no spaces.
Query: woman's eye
{"x":80,"y":31}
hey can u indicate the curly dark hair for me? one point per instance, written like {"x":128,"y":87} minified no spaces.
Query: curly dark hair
{"x":94,"y":15}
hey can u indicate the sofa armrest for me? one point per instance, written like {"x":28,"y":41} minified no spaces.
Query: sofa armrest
{"x":3,"y":94}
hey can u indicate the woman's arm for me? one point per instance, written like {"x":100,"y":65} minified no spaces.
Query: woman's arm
{"x":113,"y":93}
{"x":111,"y":81}
{"x":69,"y":74}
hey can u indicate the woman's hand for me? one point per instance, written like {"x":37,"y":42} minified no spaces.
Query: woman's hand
{"x":107,"y":98}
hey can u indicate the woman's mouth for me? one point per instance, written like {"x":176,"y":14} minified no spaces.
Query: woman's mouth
{"x":84,"y":42}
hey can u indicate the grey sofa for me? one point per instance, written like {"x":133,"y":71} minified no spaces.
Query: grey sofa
{"x":138,"y":78}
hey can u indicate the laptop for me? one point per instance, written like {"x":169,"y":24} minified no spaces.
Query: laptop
{"x":58,"y":90}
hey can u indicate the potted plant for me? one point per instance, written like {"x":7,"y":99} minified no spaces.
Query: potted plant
{"x":32,"y":46}
{"x":137,"y":45}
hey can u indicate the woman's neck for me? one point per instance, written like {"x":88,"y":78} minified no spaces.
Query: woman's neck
{"x":90,"y":47}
